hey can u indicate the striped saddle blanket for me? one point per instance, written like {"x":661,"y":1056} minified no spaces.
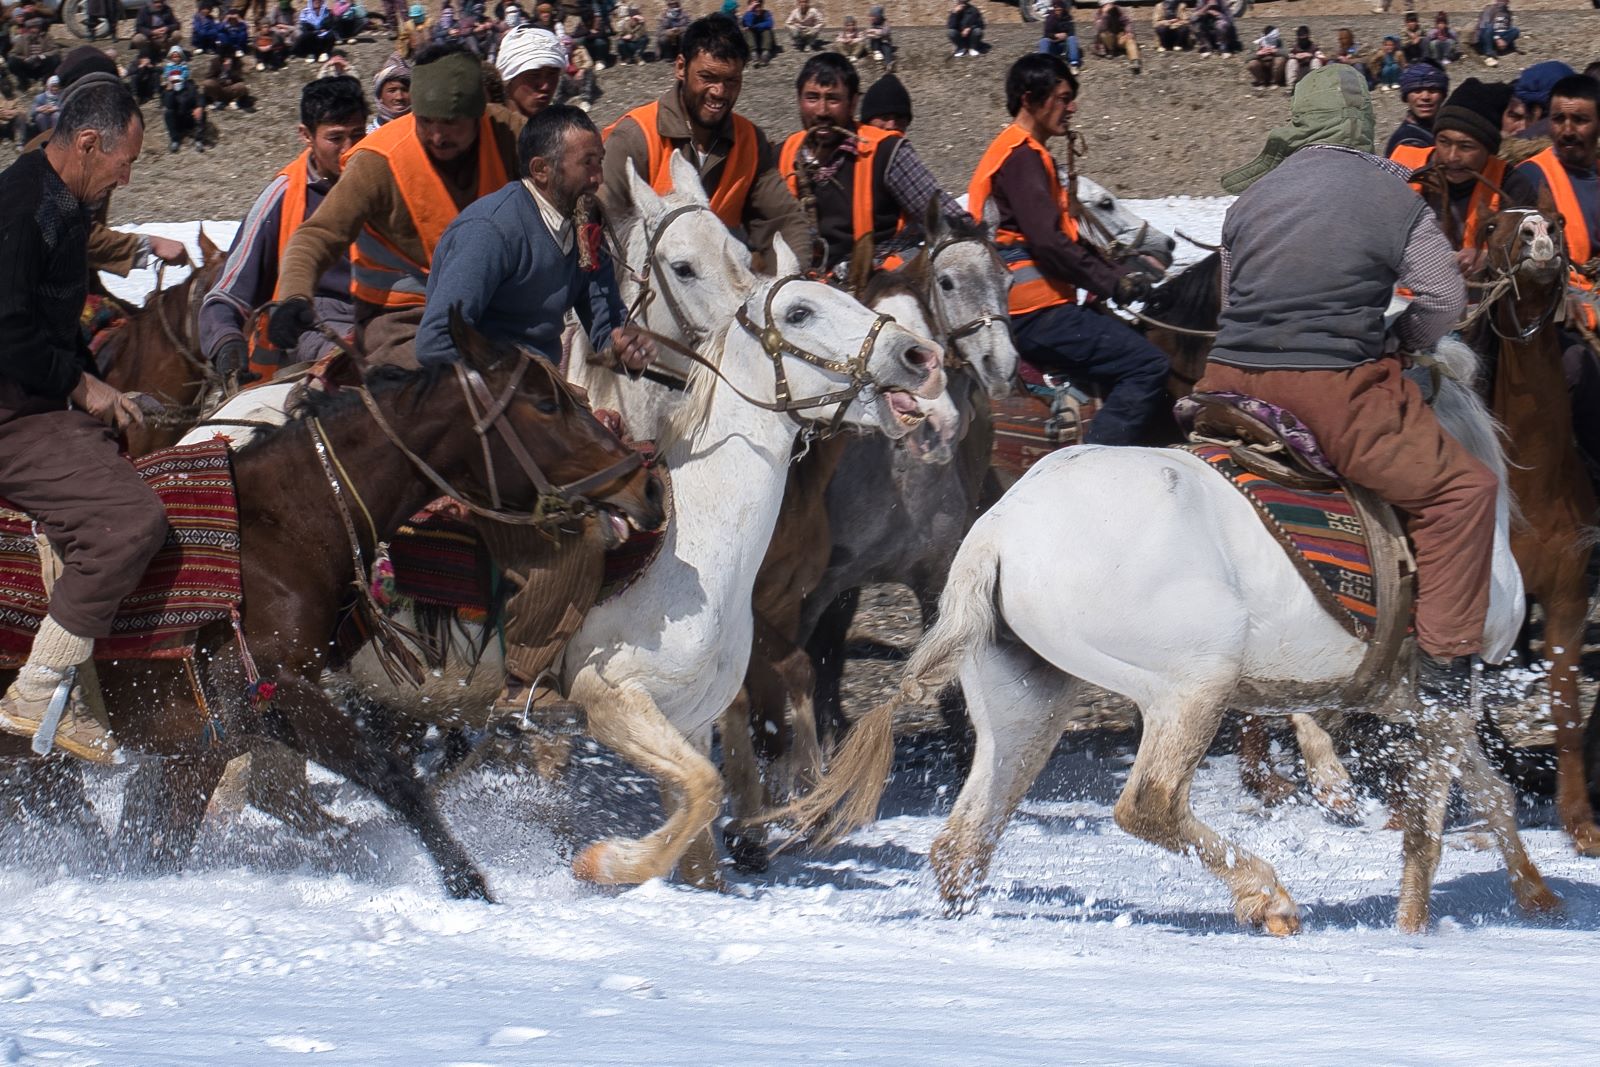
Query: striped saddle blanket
{"x":193,"y":580}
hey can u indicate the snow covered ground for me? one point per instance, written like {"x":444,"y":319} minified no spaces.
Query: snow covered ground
{"x":1088,"y":946}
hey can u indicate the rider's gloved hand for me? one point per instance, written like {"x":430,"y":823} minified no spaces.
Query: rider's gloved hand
{"x":233,"y":361}
{"x":289,"y":320}
{"x":117,"y":409}
{"x":1132,"y":289}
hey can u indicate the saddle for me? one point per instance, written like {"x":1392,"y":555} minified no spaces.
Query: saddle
{"x":194,"y":579}
{"x":1347,"y":544}
{"x":1048,"y":414}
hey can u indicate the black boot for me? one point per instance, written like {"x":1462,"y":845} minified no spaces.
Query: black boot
{"x":1444,"y":681}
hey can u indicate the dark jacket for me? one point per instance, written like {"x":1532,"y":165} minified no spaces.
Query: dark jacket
{"x":147,"y":21}
{"x":967,"y":18}
{"x":44,"y":266}
{"x":1027,"y":205}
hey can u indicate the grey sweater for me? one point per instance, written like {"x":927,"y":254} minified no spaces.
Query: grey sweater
{"x":500,"y":264}
{"x":1314,"y":251}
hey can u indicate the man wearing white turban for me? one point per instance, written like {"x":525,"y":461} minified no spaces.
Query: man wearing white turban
{"x":530,"y":63}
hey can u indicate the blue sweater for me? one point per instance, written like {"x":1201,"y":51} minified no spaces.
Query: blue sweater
{"x":498,"y":261}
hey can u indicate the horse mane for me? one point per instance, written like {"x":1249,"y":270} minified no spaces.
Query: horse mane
{"x":1191,"y":297}
{"x":688,"y":418}
{"x":903,"y":281}
{"x":321,"y":404}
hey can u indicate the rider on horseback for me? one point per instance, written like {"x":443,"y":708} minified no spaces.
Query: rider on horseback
{"x":1302,"y":327}
{"x":886,"y":201}
{"x":59,"y":424}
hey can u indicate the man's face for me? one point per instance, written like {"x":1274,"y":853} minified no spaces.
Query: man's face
{"x":1575,"y":129}
{"x":446,"y":140}
{"x":897,"y":123}
{"x":826,"y":104}
{"x":331,"y":140}
{"x":1424,"y":103}
{"x":104,"y":170}
{"x":531,"y":91}
{"x":1053,"y":114}
{"x":710,"y":88}
{"x":1458,"y":156}
{"x":574,"y":173}
{"x":1515,"y":120}
{"x":396,"y":95}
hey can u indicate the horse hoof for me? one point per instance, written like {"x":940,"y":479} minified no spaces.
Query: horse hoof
{"x":748,"y":854}
{"x":467,"y":884}
{"x":1412,"y":920}
{"x":593,"y":864}
{"x":1339,"y":806}
{"x":1273,"y":911}
{"x":1586,"y":841}
{"x":1538,"y":900}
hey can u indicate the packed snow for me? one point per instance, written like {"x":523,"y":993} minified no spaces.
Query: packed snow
{"x":1087,"y":946}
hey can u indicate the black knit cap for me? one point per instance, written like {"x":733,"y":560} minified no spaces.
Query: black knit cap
{"x":1475,"y":109}
{"x":886,"y":96}
{"x":84,"y":59}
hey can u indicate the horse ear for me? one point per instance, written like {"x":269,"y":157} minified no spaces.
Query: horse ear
{"x":933,"y":221}
{"x":472,"y":347}
{"x":208,"y":251}
{"x":1547,"y":203}
{"x":686,"y":180}
{"x":991,"y":216}
{"x":861,"y":258}
{"x":645,"y":200}
{"x":787,"y":263}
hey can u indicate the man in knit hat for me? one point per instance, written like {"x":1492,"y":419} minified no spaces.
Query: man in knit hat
{"x":1466,"y":138}
{"x":1423,"y":86}
{"x":1302,"y":326}
{"x":1532,"y":88}
{"x":530,"y":65}
{"x":398,"y":191}
{"x":887,"y":105}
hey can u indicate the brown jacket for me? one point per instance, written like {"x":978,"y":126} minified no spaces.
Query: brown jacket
{"x":771,"y":207}
{"x":366,"y":195}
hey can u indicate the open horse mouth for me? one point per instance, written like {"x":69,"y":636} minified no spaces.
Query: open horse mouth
{"x":908,"y":414}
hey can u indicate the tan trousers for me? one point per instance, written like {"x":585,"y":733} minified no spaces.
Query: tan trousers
{"x":1375,"y":428}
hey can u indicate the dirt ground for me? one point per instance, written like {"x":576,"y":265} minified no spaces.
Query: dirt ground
{"x":1171,"y":130}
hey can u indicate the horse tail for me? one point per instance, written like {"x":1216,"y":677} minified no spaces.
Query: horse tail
{"x":848,"y":795}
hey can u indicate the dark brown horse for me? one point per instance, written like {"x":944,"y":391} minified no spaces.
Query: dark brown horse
{"x":157,"y":351}
{"x":400,"y":435}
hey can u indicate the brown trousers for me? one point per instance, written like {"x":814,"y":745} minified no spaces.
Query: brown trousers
{"x":1374,"y":427}
{"x":63,"y":468}
{"x":557,"y":581}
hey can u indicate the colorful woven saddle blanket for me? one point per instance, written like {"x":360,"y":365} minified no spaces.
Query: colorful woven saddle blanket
{"x":193,"y":580}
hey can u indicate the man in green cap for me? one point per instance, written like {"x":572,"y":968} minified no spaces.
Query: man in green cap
{"x":399,"y":189}
{"x":1302,"y":327}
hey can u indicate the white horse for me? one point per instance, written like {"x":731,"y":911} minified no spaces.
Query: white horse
{"x":1111,"y":224}
{"x":1145,"y":572}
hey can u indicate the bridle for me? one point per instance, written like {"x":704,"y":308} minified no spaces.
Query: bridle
{"x":771,"y":338}
{"x":1500,"y":279}
{"x":954,"y":335}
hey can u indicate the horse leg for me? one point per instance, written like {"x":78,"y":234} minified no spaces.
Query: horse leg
{"x":746,"y":843}
{"x":1495,"y":802}
{"x":1256,"y":772}
{"x":1330,"y":782}
{"x":628,"y":722}
{"x":1422,"y":809}
{"x":1019,"y":706}
{"x":163,"y":807}
{"x":801,"y":766}
{"x":826,"y":645}
{"x":1154,"y":806}
{"x":276,"y":785}
{"x":324,"y":733}
{"x":1564,"y":626}
{"x":699,"y":866}
{"x":52,"y":791}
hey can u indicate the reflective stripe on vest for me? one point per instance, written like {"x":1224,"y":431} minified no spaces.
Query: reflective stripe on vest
{"x":868,"y":140}
{"x":1484,"y":200}
{"x":1575,"y":226}
{"x":380,"y":273}
{"x":738,"y":170}
{"x":1031,"y":289}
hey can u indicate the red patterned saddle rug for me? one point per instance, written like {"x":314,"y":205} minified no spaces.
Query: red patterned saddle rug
{"x":1043,"y":416}
{"x":193,"y":580}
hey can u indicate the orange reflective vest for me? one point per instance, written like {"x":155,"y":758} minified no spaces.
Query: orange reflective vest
{"x":738,"y":170}
{"x":264,"y":359}
{"x":1484,"y":200}
{"x":1031,"y":289}
{"x":1575,"y":226}
{"x":868,"y":140}
{"x":380,"y":273}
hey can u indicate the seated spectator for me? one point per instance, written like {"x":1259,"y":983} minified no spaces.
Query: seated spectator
{"x":392,"y":91}
{"x":669,"y":32}
{"x":1423,"y":87}
{"x":233,"y":33}
{"x":273,"y":41}
{"x":176,"y":63}
{"x":1303,"y":57}
{"x":154,"y":30}
{"x":348,"y":19}
{"x":1443,"y":44}
{"x":1533,"y":88}
{"x":1348,"y":52}
{"x":1270,"y":64}
{"x":1384,"y":65}
{"x":597,"y":40}
{"x":184,"y":112}
{"x":851,"y":41}
{"x":314,"y":36}
{"x":1113,"y":34}
{"x":338,"y":65}
{"x":1213,"y":29}
{"x":887,"y":105}
{"x":757,"y":24}
{"x":805,"y":26}
{"x":1497,"y":36}
{"x":964,"y":28}
{"x":224,"y":85}
{"x":880,"y":39}
{"x":206,"y":30}
{"x":1413,"y":40}
{"x":1060,"y":37}
{"x":1172,"y":26}
{"x":34,"y":56}
{"x":46,"y":108}
{"x":13,"y":121}
{"x":633,"y":37}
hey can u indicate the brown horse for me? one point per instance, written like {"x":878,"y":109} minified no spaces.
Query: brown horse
{"x":158,"y":352}
{"x":407,"y":436}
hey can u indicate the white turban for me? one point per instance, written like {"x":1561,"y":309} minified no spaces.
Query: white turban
{"x":528,"y":48}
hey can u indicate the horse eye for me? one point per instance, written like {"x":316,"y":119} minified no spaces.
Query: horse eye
{"x":797,"y":315}
{"x":683,"y":269}
{"x":1105,"y":205}
{"x":548,"y":406}
{"x":946,"y":284}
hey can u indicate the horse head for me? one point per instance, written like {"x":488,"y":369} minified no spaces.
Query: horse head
{"x":1121,"y":233}
{"x":1526,"y":242}
{"x":541,"y":444}
{"x":968,"y":289}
